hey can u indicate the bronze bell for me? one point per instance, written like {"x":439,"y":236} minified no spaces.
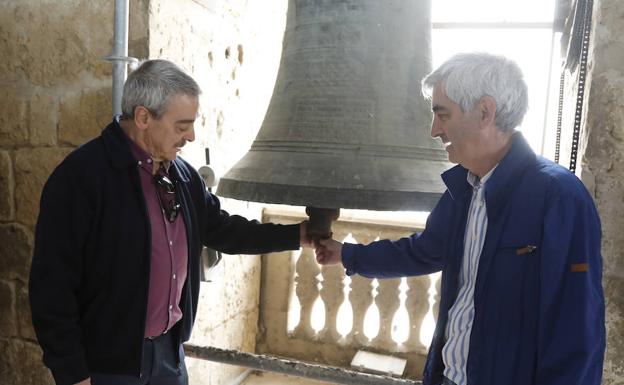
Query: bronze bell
{"x":347,"y":126}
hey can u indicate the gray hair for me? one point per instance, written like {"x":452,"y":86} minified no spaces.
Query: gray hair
{"x":467,"y":77}
{"x":152,"y":84}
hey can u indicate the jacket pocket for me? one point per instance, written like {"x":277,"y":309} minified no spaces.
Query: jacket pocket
{"x":515,"y":269}
{"x":529,"y":248}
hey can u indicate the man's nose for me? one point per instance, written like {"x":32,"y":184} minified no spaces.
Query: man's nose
{"x":191,"y":135}
{"x":436,"y":131}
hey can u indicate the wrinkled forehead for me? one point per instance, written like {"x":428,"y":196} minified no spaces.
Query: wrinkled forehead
{"x":182,"y":107}
{"x":439,"y":99}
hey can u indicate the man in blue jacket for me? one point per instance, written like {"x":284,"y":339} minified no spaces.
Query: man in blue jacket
{"x":517,"y":239}
{"x":114,"y":282}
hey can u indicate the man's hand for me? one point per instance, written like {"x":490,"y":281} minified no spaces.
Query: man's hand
{"x":328,"y":252}
{"x":304,"y":237}
{"x":85,"y":382}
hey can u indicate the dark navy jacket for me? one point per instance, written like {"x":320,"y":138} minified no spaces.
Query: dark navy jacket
{"x":90,"y":271}
{"x":539,"y":314}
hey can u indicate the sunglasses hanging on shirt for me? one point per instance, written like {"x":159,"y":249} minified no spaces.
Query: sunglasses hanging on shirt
{"x":167,"y":196}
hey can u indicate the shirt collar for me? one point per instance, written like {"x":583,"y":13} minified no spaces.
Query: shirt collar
{"x":143,"y":158}
{"x":508,"y":171}
{"x":475,"y":181}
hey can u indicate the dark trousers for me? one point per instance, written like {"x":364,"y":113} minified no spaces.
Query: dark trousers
{"x":158,"y":367}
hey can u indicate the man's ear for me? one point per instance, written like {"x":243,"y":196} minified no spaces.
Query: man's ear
{"x":142,"y":117}
{"x":487,"y":110}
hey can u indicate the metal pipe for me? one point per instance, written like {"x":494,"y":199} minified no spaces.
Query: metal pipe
{"x":119,"y":57}
{"x":291,"y":367}
{"x":120,"y":49}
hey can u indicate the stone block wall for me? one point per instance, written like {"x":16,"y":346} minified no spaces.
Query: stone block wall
{"x":603,"y":166}
{"x":600,"y":162}
{"x":54,"y":94}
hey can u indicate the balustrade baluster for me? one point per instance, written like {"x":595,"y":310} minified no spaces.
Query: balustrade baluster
{"x":388,"y":302}
{"x":361,"y":298}
{"x":333,"y":296}
{"x":307,"y":291}
{"x":417,"y":307}
{"x":294,"y":306}
{"x":400,"y":321}
{"x":344,"y":318}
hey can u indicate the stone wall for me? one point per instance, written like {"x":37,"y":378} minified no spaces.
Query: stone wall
{"x":603,"y":165}
{"x":600,"y":162}
{"x":54,"y":94}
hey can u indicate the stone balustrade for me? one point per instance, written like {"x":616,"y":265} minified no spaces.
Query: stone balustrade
{"x":316,"y":313}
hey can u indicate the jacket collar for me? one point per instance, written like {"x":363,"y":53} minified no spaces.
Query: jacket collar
{"x":502,"y":181}
{"x":120,"y":155}
{"x":117,"y":146}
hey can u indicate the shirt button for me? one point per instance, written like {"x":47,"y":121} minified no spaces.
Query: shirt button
{"x":170,"y":243}
{"x":174,"y":276}
{"x":140,"y":163}
{"x":170,"y":307}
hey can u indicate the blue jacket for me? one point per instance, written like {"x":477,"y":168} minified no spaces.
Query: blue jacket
{"x":90,"y":271}
{"x":539,"y":314}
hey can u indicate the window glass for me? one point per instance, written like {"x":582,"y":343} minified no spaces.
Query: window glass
{"x":445,"y":11}
{"x":531,"y":48}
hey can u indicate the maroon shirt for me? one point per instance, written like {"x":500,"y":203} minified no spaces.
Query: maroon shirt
{"x":169,"y":258}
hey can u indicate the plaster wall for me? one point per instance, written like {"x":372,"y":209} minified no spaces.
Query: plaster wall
{"x":232,"y":48}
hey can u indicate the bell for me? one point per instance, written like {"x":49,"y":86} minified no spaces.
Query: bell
{"x":347,"y":125}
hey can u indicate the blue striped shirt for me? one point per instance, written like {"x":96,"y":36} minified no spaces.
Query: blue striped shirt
{"x":461,"y":314}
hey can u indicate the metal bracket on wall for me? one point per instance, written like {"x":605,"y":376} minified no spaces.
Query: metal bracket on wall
{"x":578,"y":50}
{"x":210,"y":258}
{"x":587,"y":18}
{"x":560,"y":115}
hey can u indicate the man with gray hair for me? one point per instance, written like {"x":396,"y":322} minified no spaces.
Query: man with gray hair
{"x":517,"y":239}
{"x":114,"y":282}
